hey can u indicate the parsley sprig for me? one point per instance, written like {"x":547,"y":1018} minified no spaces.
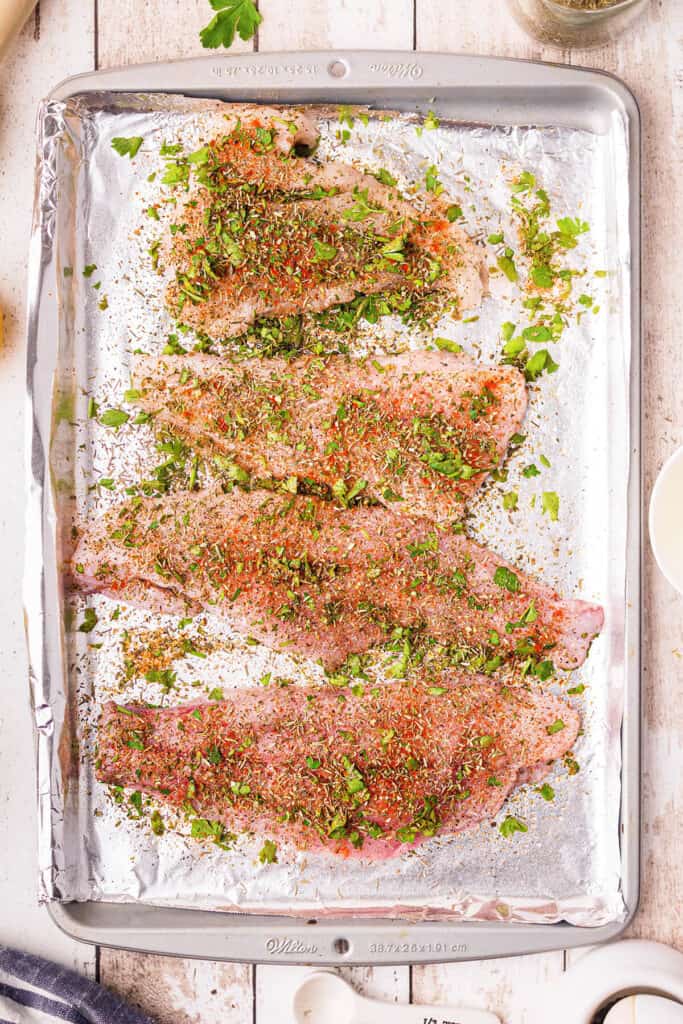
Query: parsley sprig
{"x":233,"y":16}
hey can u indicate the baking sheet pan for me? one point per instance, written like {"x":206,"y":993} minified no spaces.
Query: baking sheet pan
{"x":462,"y":89}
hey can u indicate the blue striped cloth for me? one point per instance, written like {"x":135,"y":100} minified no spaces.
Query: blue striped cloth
{"x":35,"y":991}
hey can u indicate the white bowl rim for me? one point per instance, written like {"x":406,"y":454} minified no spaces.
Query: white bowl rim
{"x":667,"y":466}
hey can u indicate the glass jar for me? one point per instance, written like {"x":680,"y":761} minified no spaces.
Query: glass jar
{"x":572,"y":23}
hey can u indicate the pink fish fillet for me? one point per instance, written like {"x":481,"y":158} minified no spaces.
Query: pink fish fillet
{"x":300,"y":574}
{"x":418,"y":431}
{"x":268,"y":230}
{"x":372,"y":776}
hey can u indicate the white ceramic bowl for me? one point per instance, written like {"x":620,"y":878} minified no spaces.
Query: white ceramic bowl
{"x":666,"y":519}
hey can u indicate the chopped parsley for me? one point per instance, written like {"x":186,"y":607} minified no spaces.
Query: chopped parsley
{"x":89,"y":621}
{"x":384,"y":178}
{"x":127,"y":147}
{"x":446,"y":345}
{"x":432,"y":183}
{"x":506,"y":263}
{"x":157,"y":823}
{"x":576,"y":690}
{"x":268,"y":852}
{"x":550,"y":503}
{"x":114,"y":418}
{"x":510,"y":825}
{"x":506,"y":578}
{"x":323,"y":251}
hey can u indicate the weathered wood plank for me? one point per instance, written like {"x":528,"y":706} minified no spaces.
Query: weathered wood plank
{"x":130,"y":32}
{"x":502,"y":986}
{"x":174,"y":991}
{"x":57,"y":41}
{"x":275,"y":988}
{"x":478,"y":26}
{"x":323,"y":24}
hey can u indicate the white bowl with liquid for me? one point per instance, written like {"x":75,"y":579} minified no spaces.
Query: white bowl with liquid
{"x":666,"y":520}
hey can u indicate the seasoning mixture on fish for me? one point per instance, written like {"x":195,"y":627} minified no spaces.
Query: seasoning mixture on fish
{"x":369,"y":775}
{"x":268,"y":232}
{"x":299,"y":574}
{"x":419,"y":430}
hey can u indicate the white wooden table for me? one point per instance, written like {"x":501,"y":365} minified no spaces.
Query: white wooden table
{"x":68,"y":36}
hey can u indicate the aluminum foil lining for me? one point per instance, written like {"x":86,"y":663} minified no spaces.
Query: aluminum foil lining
{"x":90,"y":211}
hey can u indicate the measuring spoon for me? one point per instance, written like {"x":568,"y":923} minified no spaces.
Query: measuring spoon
{"x":325,"y":998}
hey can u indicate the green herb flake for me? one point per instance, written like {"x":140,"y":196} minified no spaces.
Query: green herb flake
{"x":89,"y":621}
{"x":546,"y":791}
{"x":506,"y":263}
{"x":511,"y":825}
{"x":557,"y":726}
{"x":550,"y":503}
{"x":537,"y":333}
{"x":432,"y":183}
{"x":505,"y":578}
{"x":127,"y":147}
{"x":524,"y":183}
{"x":216,"y":693}
{"x":540,"y":362}
{"x":268,"y":852}
{"x":323,"y":252}
{"x":542,"y":276}
{"x":157,"y":823}
{"x":574,"y":691}
{"x":446,"y":345}
{"x":135,"y":799}
{"x":384,"y":178}
{"x":114,"y":418}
